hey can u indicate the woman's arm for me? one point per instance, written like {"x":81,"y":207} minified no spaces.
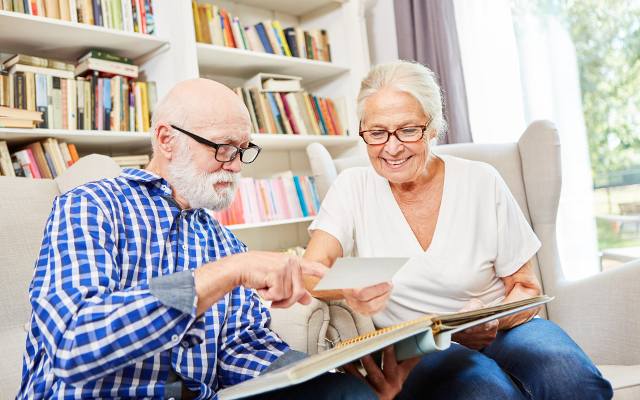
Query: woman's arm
{"x":518,"y":286}
{"x":325,"y":249}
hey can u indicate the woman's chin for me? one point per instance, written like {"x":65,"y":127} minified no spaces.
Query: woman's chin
{"x":398,"y":176}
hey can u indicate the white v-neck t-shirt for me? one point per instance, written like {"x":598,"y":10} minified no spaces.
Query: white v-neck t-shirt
{"x":481,"y":235}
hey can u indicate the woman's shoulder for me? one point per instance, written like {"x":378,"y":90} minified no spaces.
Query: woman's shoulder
{"x":356,"y":181}
{"x":479,"y":171}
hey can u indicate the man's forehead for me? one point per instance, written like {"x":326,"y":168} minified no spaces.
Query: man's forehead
{"x":238,"y":132}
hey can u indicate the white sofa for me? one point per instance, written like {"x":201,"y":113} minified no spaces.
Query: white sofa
{"x":24,"y":207}
{"x":601,"y":313}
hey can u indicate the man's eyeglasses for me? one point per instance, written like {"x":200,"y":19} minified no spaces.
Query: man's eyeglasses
{"x":406,"y":134}
{"x":226,"y":152}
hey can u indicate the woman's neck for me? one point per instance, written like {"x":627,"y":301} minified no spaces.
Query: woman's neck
{"x":408,"y":190}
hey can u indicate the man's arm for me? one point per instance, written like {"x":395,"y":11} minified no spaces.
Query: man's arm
{"x":246,"y":345}
{"x":89,"y":324}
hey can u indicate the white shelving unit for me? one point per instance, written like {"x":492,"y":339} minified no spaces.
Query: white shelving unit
{"x":268,"y":224}
{"x":242,"y":63}
{"x":128,"y":142}
{"x":172,"y":55}
{"x":62,"y":40}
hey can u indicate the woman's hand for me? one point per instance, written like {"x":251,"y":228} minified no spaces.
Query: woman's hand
{"x":386,"y":381}
{"x":477,"y":337}
{"x":369,"y":300}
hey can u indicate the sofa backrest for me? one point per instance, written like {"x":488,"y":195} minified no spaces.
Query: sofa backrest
{"x":25,"y":205}
{"x":530,"y":167}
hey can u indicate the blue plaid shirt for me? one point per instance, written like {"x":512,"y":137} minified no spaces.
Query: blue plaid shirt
{"x":98,"y":328}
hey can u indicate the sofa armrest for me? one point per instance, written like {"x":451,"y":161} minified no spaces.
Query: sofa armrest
{"x":602,"y":314}
{"x":346,"y":323}
{"x":304,"y":328}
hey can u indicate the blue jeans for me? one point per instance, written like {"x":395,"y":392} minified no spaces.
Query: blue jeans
{"x":325,"y":387}
{"x":536,"y":360}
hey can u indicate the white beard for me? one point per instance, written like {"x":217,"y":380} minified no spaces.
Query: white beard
{"x":196,"y":187}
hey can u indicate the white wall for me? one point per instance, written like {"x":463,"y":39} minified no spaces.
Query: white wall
{"x":381,"y":31}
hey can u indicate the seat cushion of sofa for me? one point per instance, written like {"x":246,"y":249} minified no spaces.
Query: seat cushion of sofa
{"x":625,"y":380}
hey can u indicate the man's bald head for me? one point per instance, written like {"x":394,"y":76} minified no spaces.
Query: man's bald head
{"x":212,"y":111}
{"x":201,"y":104}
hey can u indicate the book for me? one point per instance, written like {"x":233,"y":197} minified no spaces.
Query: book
{"x":106,"y":67}
{"x":16,"y":123}
{"x":38,"y":62}
{"x":8,"y":112}
{"x":413,"y":338}
{"x":106,"y":56}
{"x":6,"y":167}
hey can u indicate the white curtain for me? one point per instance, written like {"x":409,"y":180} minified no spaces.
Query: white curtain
{"x":491,"y":70}
{"x":527,"y":68}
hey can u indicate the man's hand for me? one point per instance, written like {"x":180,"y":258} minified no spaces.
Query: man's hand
{"x":277,"y":277}
{"x":480,"y":336}
{"x":369,"y":300}
{"x":386,"y":381}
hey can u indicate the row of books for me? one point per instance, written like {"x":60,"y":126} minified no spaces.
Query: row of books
{"x":17,"y":118}
{"x":125,"y":15}
{"x":100,"y":97}
{"x":45,"y":159}
{"x":135,"y":161}
{"x":214,"y":25}
{"x":297,"y":113}
{"x":272,"y":199}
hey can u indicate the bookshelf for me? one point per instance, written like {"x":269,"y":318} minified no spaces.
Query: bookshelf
{"x":293,"y":7}
{"x":240,"y":227}
{"x":128,"y":142}
{"x":53,"y":38}
{"x":242,"y":63}
{"x":172,"y":55}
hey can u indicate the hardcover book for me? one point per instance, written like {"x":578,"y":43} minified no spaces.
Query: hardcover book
{"x":412,"y":338}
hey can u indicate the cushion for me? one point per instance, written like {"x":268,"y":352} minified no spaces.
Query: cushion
{"x":625,"y":380}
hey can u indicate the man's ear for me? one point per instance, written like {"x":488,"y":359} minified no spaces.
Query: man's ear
{"x":165,"y":140}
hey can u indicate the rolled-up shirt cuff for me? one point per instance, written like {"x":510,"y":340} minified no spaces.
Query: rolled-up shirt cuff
{"x":289,"y":357}
{"x":176,"y":290}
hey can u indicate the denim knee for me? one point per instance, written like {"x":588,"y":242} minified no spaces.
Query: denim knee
{"x":547,"y":363}
{"x":458,"y":373}
{"x":348,"y":387}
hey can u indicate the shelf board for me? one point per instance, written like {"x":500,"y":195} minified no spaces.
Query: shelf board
{"x":63,"y":40}
{"x":139,"y":141}
{"x":283,"y":142}
{"x":269,"y":223}
{"x":87,"y":140}
{"x":291,"y":7}
{"x":240,"y":63}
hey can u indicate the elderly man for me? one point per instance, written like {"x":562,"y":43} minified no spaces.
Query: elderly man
{"x":139,"y":292}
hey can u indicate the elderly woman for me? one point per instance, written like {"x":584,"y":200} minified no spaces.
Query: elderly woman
{"x":469,"y":245}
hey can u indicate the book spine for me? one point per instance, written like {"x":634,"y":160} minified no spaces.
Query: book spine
{"x":262,"y":34}
{"x":290,"y":37}
{"x":47,"y":155}
{"x":41,"y":99}
{"x":97,"y":12}
{"x":106,"y":103}
{"x":299,"y":192}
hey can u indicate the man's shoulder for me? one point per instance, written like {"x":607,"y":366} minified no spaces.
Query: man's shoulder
{"x":99,"y":191}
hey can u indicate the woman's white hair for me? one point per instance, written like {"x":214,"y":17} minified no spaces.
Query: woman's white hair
{"x":409,"y":77}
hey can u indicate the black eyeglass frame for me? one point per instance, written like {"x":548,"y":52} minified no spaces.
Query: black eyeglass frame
{"x":395,"y":133}
{"x":216,"y":146}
